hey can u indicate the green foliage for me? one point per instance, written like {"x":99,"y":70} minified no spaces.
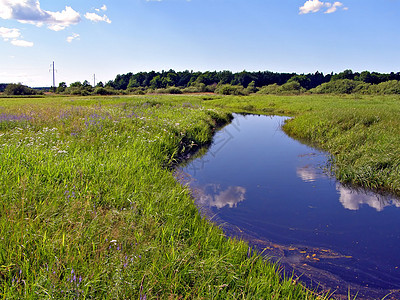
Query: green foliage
{"x":303,"y":80}
{"x":386,"y":88}
{"x":269,"y":89}
{"x":228,"y":89}
{"x":169,"y":90}
{"x":104,"y":91}
{"x":338,"y":86}
{"x":61,"y":88}
{"x":291,"y":87}
{"x":18,"y":89}
{"x":251,"y":88}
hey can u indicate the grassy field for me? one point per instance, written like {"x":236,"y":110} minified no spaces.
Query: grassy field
{"x":361,"y":132}
{"x":89,"y":207}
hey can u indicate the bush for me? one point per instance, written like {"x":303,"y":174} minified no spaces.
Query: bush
{"x":191,"y":89}
{"x":269,"y":89}
{"x":228,"y":89}
{"x":136,"y":91}
{"x":386,"y":88}
{"x":340,"y":86}
{"x":18,"y":90}
{"x":363,"y":88}
{"x":290,"y":87}
{"x":169,"y":90}
{"x":104,"y":91}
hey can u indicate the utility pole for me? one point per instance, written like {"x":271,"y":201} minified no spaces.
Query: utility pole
{"x":54,"y":77}
{"x":94,"y":80}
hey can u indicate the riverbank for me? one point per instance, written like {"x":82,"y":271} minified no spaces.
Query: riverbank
{"x":90,"y":210}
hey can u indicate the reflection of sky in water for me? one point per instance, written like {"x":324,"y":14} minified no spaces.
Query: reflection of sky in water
{"x":213,"y":195}
{"x":350,"y":198}
{"x":353,"y":200}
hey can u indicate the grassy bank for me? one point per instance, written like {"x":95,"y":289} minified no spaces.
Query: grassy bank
{"x":89,"y":208}
{"x":362,"y":132}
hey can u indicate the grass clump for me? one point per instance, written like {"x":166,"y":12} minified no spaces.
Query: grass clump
{"x":89,"y":209}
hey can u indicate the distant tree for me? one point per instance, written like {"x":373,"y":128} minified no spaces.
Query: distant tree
{"x":251,"y":88}
{"x":156,"y":82}
{"x":100,"y":84}
{"x":346,"y":74}
{"x":303,"y":80}
{"x":76,"y":84}
{"x":61,"y":87}
{"x":18,"y":90}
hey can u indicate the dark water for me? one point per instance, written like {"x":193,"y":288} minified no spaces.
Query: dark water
{"x":271,"y":190}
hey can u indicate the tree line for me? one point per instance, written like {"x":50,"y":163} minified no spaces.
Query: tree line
{"x":240,"y":83}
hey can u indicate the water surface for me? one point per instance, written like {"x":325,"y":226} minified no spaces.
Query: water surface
{"x":263,"y":186}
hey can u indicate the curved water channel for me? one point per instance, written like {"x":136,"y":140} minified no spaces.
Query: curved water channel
{"x":262,"y":186}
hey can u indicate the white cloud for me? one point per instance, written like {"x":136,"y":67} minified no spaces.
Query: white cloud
{"x":96,"y":18}
{"x":13,"y":34}
{"x":21,"y":43}
{"x":29,"y":11}
{"x":73,"y":37}
{"x":313,"y":6}
{"x":334,"y":7}
{"x":103,"y":8}
{"x":9,"y":33}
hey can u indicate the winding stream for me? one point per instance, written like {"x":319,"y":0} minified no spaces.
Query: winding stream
{"x":260,"y":185}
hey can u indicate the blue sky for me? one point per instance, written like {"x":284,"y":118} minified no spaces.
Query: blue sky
{"x":110,"y":37}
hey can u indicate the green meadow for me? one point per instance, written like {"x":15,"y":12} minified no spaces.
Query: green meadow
{"x":90,"y":208}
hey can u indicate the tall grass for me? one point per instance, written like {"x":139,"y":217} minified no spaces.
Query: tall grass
{"x":90,"y":209}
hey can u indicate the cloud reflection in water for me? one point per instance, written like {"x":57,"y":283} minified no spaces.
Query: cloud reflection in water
{"x":213,"y":195}
{"x":351,"y":199}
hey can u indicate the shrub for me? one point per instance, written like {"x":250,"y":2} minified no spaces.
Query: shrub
{"x":18,"y":90}
{"x":363,"y":88}
{"x":290,"y":87}
{"x":135,"y":91}
{"x":388,"y":87}
{"x":269,"y":89}
{"x":104,"y":91}
{"x":228,"y":89}
{"x":339,"y":86}
{"x":169,"y":90}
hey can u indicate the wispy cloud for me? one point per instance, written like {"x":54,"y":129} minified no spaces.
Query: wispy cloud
{"x":22,"y":43}
{"x":9,"y":33}
{"x":29,"y":11}
{"x":103,"y":8}
{"x":313,"y":6}
{"x":97,"y":18}
{"x":74,"y":36}
{"x":13,"y":35}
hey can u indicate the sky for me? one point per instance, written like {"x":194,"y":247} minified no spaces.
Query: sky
{"x":103,"y":38}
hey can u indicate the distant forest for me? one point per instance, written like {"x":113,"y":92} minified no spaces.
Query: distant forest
{"x":241,"y":83}
{"x":184,"y":79}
